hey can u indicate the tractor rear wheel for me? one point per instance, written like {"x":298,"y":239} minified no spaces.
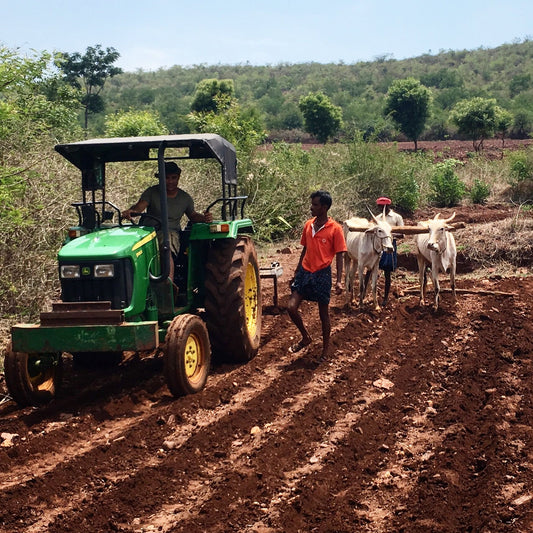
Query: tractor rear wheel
{"x":32,"y":378}
{"x":187,"y":355}
{"x":233,"y":300}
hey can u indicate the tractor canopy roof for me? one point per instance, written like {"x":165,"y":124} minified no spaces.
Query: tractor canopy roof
{"x":94,"y":152}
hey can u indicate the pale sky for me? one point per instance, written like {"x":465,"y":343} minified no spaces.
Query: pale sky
{"x":153,"y":34}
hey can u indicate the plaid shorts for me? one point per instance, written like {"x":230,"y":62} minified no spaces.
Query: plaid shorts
{"x":313,"y":286}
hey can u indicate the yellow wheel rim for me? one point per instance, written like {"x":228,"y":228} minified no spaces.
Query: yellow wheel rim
{"x":40,"y":379}
{"x":250,"y":299}
{"x":193,"y":355}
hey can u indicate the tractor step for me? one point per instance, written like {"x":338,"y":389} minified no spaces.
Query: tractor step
{"x":273,"y":273}
{"x":82,"y":313}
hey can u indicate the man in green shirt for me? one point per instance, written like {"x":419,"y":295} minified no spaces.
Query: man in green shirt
{"x":179,"y":203}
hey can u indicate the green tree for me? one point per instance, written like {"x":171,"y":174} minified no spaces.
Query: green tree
{"x":408,"y":104}
{"x":504,"y":120}
{"x":476,"y":118}
{"x":479,"y":191}
{"x":522,"y":123}
{"x":207,"y":95}
{"x":32,"y":99}
{"x":407,"y":192}
{"x":521,"y":174}
{"x":321,"y":118}
{"x":519,"y":83}
{"x":242,"y":127}
{"x":134,"y":123}
{"x":89,"y":73}
{"x":36,"y":110}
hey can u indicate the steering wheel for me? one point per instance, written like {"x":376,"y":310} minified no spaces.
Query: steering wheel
{"x":144,"y":216}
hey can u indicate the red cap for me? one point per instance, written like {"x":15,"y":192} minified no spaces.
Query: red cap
{"x":383,"y":200}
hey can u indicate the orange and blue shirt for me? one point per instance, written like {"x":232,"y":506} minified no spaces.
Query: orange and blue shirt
{"x":321,"y":246}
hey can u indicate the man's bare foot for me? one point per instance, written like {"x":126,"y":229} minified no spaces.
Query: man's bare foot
{"x":299,"y":345}
{"x":323,"y":355}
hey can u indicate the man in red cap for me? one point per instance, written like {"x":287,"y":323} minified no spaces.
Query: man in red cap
{"x":388,"y":262}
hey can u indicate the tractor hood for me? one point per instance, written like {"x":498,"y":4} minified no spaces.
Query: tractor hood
{"x":94,"y":152}
{"x":107,"y":244}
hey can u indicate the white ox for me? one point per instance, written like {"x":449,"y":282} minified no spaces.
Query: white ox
{"x":365,"y":246}
{"x":436,"y":249}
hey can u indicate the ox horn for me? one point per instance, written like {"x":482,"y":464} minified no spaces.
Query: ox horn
{"x":372,"y":214}
{"x":448,"y":220}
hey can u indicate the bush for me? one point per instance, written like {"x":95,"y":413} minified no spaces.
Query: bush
{"x":278,"y":184}
{"x":133,"y":123}
{"x":479,"y":192}
{"x":521,"y":166}
{"x":407,"y":193}
{"x":447,"y":189}
{"x":521,"y":174}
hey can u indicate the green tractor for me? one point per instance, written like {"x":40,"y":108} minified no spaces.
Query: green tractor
{"x":116,"y":294}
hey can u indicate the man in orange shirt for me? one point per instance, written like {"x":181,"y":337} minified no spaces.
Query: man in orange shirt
{"x":322,"y":240}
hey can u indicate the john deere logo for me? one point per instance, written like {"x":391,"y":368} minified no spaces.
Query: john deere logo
{"x":85,"y":271}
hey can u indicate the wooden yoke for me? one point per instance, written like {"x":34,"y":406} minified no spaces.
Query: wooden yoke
{"x":411,"y":230}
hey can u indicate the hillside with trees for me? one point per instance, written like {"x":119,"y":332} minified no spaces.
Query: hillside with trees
{"x":359,"y":90}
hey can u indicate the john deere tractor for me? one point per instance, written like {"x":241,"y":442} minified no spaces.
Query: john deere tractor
{"x":116,"y":294}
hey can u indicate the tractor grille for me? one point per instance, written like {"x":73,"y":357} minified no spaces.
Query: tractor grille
{"x":87,"y":288}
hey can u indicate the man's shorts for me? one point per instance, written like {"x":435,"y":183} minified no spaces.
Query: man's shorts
{"x":389,"y":261}
{"x":313,"y":286}
{"x":174,"y":241}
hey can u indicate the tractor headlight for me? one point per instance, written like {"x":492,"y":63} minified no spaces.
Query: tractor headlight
{"x":70,"y":271}
{"x":104,"y":271}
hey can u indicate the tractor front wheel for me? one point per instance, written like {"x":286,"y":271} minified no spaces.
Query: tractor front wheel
{"x":32,"y":378}
{"x":187,"y":355}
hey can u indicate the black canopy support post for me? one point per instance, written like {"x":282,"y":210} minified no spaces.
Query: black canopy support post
{"x":225,"y":194}
{"x":102,"y":192}
{"x":165,"y":244}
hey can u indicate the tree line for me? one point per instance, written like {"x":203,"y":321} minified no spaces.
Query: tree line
{"x":469,"y":94}
{"x":357,"y":94}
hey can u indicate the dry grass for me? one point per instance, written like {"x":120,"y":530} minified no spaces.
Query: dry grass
{"x":509,"y":241}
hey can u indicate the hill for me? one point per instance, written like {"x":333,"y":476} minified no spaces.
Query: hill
{"x":504,"y":73}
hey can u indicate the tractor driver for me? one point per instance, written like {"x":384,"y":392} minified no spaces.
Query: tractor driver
{"x":179,"y":203}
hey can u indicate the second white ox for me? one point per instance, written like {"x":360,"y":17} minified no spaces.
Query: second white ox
{"x":436,"y":249}
{"x":365,"y":246}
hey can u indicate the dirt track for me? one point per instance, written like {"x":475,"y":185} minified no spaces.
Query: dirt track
{"x":418,"y":422}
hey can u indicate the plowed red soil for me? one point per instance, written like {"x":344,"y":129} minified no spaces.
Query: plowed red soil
{"x":419,"y":421}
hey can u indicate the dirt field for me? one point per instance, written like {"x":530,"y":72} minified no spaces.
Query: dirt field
{"x":461,"y":150}
{"x":492,"y":148}
{"x":417,"y":422}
